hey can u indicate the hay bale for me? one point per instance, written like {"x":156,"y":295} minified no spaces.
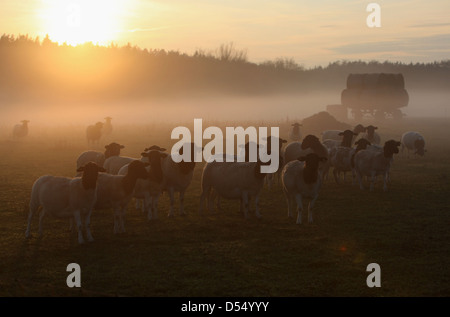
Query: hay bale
{"x":355,"y":81}
{"x":319,"y":122}
{"x":350,"y":97}
{"x":371,"y":81}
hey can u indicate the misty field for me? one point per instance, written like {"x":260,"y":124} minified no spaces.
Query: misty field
{"x":405,"y":230}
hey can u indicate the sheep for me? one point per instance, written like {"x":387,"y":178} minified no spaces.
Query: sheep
{"x":178,"y":176}
{"x":232,"y":180}
{"x":294,"y":133}
{"x":371,"y":135}
{"x":116,"y":191}
{"x":113,"y":164}
{"x":313,"y":143}
{"x":372,"y":163}
{"x":65,"y":197}
{"x":107,"y":126}
{"x":21,"y":130}
{"x":149,"y":189}
{"x":342,"y":159}
{"x":112,"y":149}
{"x":94,"y":133}
{"x":413,"y":141}
{"x":302,"y":180}
{"x":335,"y":134}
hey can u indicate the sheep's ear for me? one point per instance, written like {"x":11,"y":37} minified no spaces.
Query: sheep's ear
{"x":283,"y":140}
{"x":162,"y":149}
{"x":398,"y":143}
{"x":375,"y":128}
{"x":146,"y":164}
{"x":323,"y":159}
{"x":122,"y":146}
{"x":144,"y":154}
{"x":80,"y":169}
{"x":302,"y":158}
{"x":341,"y":133}
{"x":163,"y":155}
{"x":101,"y":169}
{"x":355,"y":133}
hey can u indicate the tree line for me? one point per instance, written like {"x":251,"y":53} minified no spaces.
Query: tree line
{"x":42,"y":70}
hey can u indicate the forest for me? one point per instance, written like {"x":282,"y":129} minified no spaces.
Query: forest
{"x":44,"y":71}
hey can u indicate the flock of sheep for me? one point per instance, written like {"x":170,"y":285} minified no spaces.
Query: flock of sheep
{"x":109,"y":180}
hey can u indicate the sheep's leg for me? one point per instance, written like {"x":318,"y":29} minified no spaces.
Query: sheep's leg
{"x":171,"y":201}
{"x":41,"y":219}
{"x":116,"y":219}
{"x":182,"y":202}
{"x":289,"y":200}
{"x":155,"y":206}
{"x":298,"y":198}
{"x":372,"y":181}
{"x":385,"y":180}
{"x":33,"y":209}
{"x":77,"y":217}
{"x":206,"y":192}
{"x":218,"y":206}
{"x":122,"y":218}
{"x":137,"y":204}
{"x":87,"y":224}
{"x":148,"y":205}
{"x":310,"y":208}
{"x":353,"y":177}
{"x":359,"y":176}
{"x":336,"y":175}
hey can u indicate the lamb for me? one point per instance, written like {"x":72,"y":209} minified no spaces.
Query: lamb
{"x":94,"y":133}
{"x":149,"y":189}
{"x":21,"y":130}
{"x":302,"y":180}
{"x":178,"y":176}
{"x":313,"y":143}
{"x":372,"y":163}
{"x":294,"y":133}
{"x":342,"y":158}
{"x":112,"y":149}
{"x":65,"y":197}
{"x":371,"y":135}
{"x":116,"y":191}
{"x":335,"y":134}
{"x":413,"y":141}
{"x":232,"y":180}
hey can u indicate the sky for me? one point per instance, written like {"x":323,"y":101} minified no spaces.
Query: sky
{"x":311,"y":33}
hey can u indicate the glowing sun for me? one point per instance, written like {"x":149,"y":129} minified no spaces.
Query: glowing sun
{"x":79,"y":21}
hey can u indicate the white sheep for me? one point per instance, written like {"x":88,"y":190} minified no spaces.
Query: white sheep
{"x":293,"y":151}
{"x":116,"y":191}
{"x":295,"y":134}
{"x":113,"y":164}
{"x":21,"y":130}
{"x":301,"y":179}
{"x":232,"y":180}
{"x":413,"y":141}
{"x":65,"y":197}
{"x":149,"y":189}
{"x":371,"y":163}
{"x":371,"y":135}
{"x":342,"y":159}
{"x":112,"y":149}
{"x":94,"y":133}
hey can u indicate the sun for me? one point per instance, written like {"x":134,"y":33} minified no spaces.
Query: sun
{"x":79,"y":21}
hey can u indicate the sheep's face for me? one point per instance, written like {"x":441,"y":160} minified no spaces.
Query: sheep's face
{"x":312,"y":160}
{"x":90,"y":174}
{"x":391,"y":147}
{"x":309,"y":141}
{"x":359,"y":129}
{"x":113,"y":149}
{"x":137,"y":169}
{"x":362,"y":144}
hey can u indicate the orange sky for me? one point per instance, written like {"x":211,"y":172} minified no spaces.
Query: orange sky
{"x":310,"y":32}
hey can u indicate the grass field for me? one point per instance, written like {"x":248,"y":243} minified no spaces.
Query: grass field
{"x":405,"y":230}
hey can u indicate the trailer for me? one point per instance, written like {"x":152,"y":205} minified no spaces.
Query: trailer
{"x":379,"y":95}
